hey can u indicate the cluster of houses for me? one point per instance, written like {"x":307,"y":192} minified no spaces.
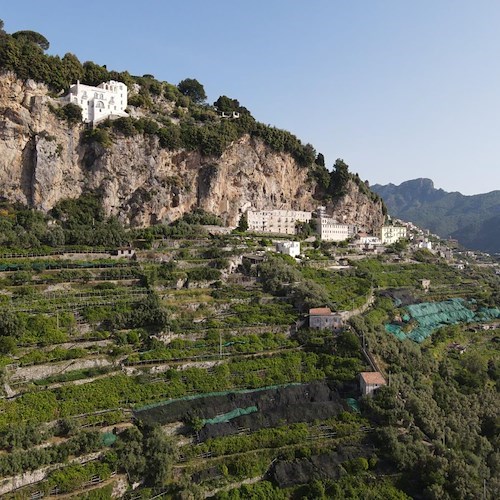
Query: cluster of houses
{"x":327,"y":227}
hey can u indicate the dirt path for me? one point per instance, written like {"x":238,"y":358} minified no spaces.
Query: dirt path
{"x":251,"y":480}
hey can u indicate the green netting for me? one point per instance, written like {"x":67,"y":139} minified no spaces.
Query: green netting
{"x":488,"y":314}
{"x":211,"y":394}
{"x":226,"y":417}
{"x":353,"y":404}
{"x":430,"y":316}
{"x":108,"y":438}
{"x":434,"y":313}
{"x":396,"y":331}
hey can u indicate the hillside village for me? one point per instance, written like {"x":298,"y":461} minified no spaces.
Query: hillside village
{"x":210,"y":320}
{"x":174,"y":325}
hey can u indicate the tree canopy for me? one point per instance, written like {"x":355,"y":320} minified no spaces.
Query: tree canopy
{"x":33,"y":37}
{"x":339,"y":177}
{"x":226,"y":104}
{"x":193,"y":89}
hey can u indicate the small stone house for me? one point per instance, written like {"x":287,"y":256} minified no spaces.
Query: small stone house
{"x":370,"y":381}
{"x":291,"y":248}
{"x":324,"y":318}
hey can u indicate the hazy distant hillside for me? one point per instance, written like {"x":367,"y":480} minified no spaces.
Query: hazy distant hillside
{"x":473,"y":220}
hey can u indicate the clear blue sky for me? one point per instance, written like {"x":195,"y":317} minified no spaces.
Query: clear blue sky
{"x":399,"y":89}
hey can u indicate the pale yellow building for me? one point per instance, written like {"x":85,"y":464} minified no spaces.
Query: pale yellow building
{"x":276,"y":221}
{"x":390,"y":234}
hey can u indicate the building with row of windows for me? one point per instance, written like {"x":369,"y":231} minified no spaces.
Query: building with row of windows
{"x":330,"y":230}
{"x":276,"y":221}
{"x":390,"y":234}
{"x":109,"y":99}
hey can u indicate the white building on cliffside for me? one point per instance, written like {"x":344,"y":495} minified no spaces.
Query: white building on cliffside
{"x":276,"y":221}
{"x":329,"y":229}
{"x":107,"y":100}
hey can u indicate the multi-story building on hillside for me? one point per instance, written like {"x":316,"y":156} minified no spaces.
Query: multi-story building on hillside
{"x":107,"y":100}
{"x":324,"y":318}
{"x":330,"y":230}
{"x":276,"y":221}
{"x":390,"y":234}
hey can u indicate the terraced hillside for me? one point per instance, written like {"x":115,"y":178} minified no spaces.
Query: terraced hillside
{"x":183,"y":367}
{"x":90,"y":337}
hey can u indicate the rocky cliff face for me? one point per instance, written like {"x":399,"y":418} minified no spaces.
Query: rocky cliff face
{"x":42,"y":161}
{"x":356,"y":207}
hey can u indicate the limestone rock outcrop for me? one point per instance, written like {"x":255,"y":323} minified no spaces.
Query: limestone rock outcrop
{"x":43,"y":160}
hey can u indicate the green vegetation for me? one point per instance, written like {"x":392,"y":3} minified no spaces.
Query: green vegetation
{"x":193,"y":89}
{"x":307,"y":287}
{"x":72,"y":113}
{"x":88,"y":340}
{"x":466,"y":218}
{"x":24,"y":54}
{"x":19,"y":461}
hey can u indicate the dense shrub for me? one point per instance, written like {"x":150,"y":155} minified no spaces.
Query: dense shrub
{"x":72,"y":113}
{"x":98,"y":135}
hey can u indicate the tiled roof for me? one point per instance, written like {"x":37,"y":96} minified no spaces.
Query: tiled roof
{"x":373,"y":378}
{"x":320,"y":311}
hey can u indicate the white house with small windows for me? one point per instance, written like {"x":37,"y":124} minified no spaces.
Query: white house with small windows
{"x":107,"y":100}
{"x":329,"y":229}
{"x":291,"y":248}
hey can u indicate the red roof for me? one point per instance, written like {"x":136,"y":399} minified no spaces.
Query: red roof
{"x":320,"y":311}
{"x":373,"y":378}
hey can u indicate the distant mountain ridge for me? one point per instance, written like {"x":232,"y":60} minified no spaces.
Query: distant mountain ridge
{"x":473,"y":220}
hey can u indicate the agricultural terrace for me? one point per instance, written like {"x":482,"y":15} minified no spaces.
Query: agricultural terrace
{"x":181,"y":365}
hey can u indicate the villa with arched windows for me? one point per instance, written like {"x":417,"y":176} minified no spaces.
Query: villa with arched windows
{"x":107,"y":100}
